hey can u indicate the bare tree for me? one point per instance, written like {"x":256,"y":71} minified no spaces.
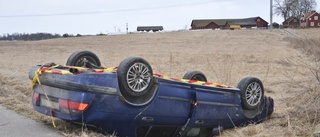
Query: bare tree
{"x":293,"y":8}
{"x":282,"y":8}
{"x":300,"y":7}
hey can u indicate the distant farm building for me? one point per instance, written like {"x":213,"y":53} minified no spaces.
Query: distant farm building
{"x":149,"y":28}
{"x":291,"y":22}
{"x":254,"y":22}
{"x":310,"y":20}
{"x":275,"y":25}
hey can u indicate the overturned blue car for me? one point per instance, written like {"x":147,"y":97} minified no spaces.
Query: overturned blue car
{"x":132,"y":101}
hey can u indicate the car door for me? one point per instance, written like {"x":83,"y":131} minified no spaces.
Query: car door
{"x":171,"y":106}
{"x":215,"y":108}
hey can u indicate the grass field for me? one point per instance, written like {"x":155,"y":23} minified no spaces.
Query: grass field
{"x":288,"y":67}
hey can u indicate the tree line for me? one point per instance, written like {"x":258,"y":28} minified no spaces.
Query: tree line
{"x":33,"y":36}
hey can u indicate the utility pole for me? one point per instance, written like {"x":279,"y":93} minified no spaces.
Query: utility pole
{"x":271,"y":13}
{"x":127,"y":27}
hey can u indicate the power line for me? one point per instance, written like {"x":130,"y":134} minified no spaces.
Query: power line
{"x":107,"y":11}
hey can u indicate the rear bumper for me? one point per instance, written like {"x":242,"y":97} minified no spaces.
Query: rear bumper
{"x":78,"y":88}
{"x":50,"y":112}
{"x":54,"y":94}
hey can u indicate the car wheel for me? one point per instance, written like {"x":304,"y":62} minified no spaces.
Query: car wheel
{"x":251,"y":92}
{"x":195,"y":75}
{"x":135,"y":78}
{"x":85,"y":59}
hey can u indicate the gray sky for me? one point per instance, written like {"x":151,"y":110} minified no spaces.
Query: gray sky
{"x":106,"y":16}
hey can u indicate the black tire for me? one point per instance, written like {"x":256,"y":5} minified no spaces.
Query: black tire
{"x":85,"y":59}
{"x":135,"y":79}
{"x":251,"y":92}
{"x":195,"y":75}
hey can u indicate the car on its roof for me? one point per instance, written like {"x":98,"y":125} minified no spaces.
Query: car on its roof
{"x":132,"y":101}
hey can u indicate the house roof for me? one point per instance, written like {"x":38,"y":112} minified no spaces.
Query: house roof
{"x":148,"y":28}
{"x":309,"y":14}
{"x":205,"y":22}
{"x":242,"y":22}
{"x":222,"y":22}
{"x":201,"y":22}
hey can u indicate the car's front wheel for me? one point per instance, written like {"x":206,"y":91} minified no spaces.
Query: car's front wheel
{"x":135,"y":79}
{"x":251,"y":92}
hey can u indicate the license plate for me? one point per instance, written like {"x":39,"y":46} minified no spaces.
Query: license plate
{"x":50,"y":104}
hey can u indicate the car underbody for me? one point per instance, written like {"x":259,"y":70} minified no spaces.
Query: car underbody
{"x":131,"y":100}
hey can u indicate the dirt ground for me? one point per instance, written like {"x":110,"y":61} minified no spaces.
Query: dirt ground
{"x":224,"y":56}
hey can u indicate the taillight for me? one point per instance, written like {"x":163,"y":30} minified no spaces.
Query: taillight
{"x":71,"y":107}
{"x":36,"y":99}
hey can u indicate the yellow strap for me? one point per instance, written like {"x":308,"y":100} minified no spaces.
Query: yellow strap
{"x":36,"y":79}
{"x":65,"y":72}
{"x":108,"y":69}
{"x":52,"y":119}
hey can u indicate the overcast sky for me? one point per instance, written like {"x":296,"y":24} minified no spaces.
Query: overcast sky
{"x":106,"y":16}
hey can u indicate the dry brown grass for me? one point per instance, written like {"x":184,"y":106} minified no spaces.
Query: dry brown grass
{"x":305,"y":118}
{"x":224,"y":56}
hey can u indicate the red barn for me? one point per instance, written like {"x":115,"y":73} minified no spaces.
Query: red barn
{"x":225,"y":23}
{"x":310,"y":20}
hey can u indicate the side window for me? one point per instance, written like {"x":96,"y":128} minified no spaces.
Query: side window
{"x":315,"y":17}
{"x":156,"y":131}
{"x":200,"y":132}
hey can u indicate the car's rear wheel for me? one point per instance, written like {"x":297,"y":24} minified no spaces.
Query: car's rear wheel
{"x":252,"y":93}
{"x":195,"y":75}
{"x":135,"y":79}
{"x":85,"y":59}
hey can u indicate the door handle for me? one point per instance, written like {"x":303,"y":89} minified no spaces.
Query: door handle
{"x":199,"y":122}
{"x":147,"y":119}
